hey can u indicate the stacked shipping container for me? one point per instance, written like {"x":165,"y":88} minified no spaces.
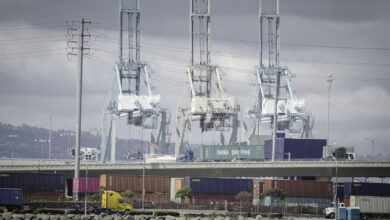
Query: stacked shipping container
{"x":297,"y":148}
{"x":205,"y":190}
{"x":218,"y":185}
{"x":229,"y":152}
{"x":35,"y":186}
{"x":303,"y":191}
{"x":155,"y":186}
{"x":79,"y":186}
{"x":93,"y":185}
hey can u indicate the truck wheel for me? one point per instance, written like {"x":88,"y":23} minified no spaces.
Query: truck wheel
{"x":331,"y":215}
{"x":127,"y":212}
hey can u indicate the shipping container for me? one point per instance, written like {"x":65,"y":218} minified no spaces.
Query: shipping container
{"x":302,"y":188}
{"x":10,"y":197}
{"x":347,"y":202}
{"x":340,"y":191}
{"x":296,"y":148}
{"x":213,"y":198}
{"x":257,"y":188}
{"x":229,"y":152}
{"x":157,"y":198}
{"x":93,"y":185}
{"x":366,"y":189}
{"x":69,"y":187}
{"x":218,"y":185}
{"x":298,"y":201}
{"x":176,"y":184}
{"x":43,"y":195}
{"x":371,"y":204}
{"x":33,"y":181}
{"x":121,"y":183}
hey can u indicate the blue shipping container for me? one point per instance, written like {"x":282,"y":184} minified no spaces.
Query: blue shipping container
{"x":10,"y":197}
{"x":33,"y":181}
{"x":366,"y":189}
{"x":218,"y":185}
{"x":353,"y":213}
{"x":298,"y":148}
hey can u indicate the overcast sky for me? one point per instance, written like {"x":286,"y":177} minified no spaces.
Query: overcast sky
{"x":349,"y":38}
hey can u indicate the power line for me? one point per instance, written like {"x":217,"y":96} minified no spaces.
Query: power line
{"x":33,"y":24}
{"x":255,"y":42}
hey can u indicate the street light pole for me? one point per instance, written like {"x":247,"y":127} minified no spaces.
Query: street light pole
{"x":336,"y":199}
{"x":143,"y":181}
{"x":330,"y":80}
{"x":12,"y":147}
{"x":86,"y":187}
{"x":372,"y":140}
{"x":50,"y":138}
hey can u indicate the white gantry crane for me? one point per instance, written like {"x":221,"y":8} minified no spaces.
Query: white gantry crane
{"x":208,"y":103}
{"x":273,"y":85}
{"x":140,"y":107}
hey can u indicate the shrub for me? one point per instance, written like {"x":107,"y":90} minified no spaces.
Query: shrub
{"x":49,"y":211}
{"x":278,"y":215}
{"x":138,"y":213}
{"x":195,"y":215}
{"x":75,"y":211}
{"x":165,"y":213}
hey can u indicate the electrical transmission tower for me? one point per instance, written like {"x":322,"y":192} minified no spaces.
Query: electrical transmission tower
{"x":139,"y":106}
{"x":272,"y":100}
{"x":208,"y":105}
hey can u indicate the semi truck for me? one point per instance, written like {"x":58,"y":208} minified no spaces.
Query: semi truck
{"x":330,"y":211}
{"x":371,"y":206}
{"x":113,"y":201}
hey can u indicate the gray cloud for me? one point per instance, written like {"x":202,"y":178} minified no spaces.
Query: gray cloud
{"x":47,"y":85}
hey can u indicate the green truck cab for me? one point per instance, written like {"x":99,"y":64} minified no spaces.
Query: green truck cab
{"x":114,"y":201}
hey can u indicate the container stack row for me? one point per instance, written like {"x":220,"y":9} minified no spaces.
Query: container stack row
{"x":36,"y":186}
{"x":162,"y":189}
{"x":156,"y":187}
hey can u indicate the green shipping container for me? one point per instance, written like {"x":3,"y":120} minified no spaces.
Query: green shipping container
{"x":229,"y":152}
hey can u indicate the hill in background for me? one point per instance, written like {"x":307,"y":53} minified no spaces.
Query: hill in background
{"x":27,"y":145}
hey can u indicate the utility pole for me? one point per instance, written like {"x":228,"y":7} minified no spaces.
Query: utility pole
{"x":80,"y":48}
{"x":275,"y":114}
{"x":329,"y":80}
{"x":50,"y":137}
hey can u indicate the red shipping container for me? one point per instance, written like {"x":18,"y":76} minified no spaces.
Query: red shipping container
{"x":42,"y":195}
{"x":302,"y":188}
{"x":79,"y":185}
{"x":121,"y":183}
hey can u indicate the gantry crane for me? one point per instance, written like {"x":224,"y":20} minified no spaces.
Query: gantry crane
{"x":273,"y":85}
{"x":208,"y":104}
{"x":140,"y":107}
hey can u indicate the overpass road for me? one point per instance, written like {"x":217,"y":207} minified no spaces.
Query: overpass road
{"x":206,"y":169}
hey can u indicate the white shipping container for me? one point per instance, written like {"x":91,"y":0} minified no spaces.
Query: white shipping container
{"x":371,"y":204}
{"x":172,"y":192}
